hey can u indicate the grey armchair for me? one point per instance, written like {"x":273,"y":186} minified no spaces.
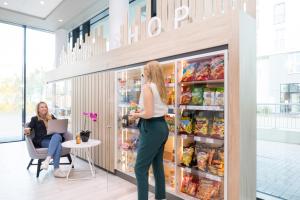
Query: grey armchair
{"x":41,"y":153}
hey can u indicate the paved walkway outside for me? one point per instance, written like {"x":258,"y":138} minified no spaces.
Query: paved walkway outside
{"x":278,"y":169}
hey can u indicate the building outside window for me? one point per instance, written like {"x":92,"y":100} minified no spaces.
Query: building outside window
{"x":279,"y":13}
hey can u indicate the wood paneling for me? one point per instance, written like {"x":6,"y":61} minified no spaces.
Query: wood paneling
{"x":95,"y":93}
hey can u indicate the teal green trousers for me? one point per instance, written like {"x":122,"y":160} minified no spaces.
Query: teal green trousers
{"x":153,"y":136}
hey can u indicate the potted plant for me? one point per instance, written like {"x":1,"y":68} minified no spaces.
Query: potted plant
{"x":85,"y":134}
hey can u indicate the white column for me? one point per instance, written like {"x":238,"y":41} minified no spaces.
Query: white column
{"x":61,"y":40}
{"x":117,"y":10}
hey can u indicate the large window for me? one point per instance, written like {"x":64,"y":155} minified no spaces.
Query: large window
{"x":11,"y":82}
{"x":40,"y":49}
{"x":133,"y":6}
{"x":278,"y":99}
{"x":101,"y":20}
{"x":26,"y":55}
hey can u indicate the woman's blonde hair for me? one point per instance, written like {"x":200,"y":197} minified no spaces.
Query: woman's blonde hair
{"x":156,"y":76}
{"x":48,"y":116}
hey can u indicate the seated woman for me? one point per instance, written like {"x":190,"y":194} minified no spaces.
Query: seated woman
{"x":39,"y":124}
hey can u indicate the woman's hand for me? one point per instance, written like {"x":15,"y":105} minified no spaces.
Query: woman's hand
{"x":134,"y":115}
{"x":27,"y":131}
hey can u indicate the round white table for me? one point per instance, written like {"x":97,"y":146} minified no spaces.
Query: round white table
{"x":86,"y":147}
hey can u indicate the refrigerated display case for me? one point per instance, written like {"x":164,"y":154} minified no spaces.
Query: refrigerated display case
{"x":195,"y":155}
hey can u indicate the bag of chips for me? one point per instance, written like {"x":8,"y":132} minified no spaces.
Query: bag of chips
{"x":186,"y":95}
{"x":188,"y":72}
{"x":197,"y":95}
{"x":218,"y":127}
{"x":202,"y":158}
{"x":201,"y":126}
{"x":202,"y":72}
{"x":187,"y":155}
{"x":217,"y":68}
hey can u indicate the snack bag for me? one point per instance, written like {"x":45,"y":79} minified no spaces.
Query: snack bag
{"x":202,"y":72}
{"x":170,"y":122}
{"x":219,"y":97}
{"x":171,"y":97}
{"x":192,"y":188}
{"x":187,"y":155}
{"x":217,"y":68}
{"x":187,"y":178}
{"x":188,"y":72}
{"x":208,"y":97}
{"x":208,"y":189}
{"x":202,"y":158}
{"x":197,"y":95}
{"x":186,"y":95}
{"x":201,"y":126}
{"x":186,"y":125}
{"x":218,"y":127}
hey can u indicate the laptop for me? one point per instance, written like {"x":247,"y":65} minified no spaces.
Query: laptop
{"x":57,"y":126}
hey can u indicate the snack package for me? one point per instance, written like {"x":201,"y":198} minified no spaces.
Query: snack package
{"x":208,"y":97}
{"x":188,"y":72}
{"x":202,"y":72}
{"x":186,"y":123}
{"x":171,"y":96}
{"x":170,"y":122}
{"x":197,"y":95}
{"x":217,"y":163}
{"x":186,"y":179}
{"x":218,"y":127}
{"x":208,"y":189}
{"x":187,"y":155}
{"x":217,"y":68}
{"x":202,"y":158}
{"x":192,"y":188}
{"x":219,"y":97}
{"x":201,"y":126}
{"x":186,"y":95}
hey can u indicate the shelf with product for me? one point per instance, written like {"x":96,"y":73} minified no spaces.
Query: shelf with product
{"x":195,"y":152}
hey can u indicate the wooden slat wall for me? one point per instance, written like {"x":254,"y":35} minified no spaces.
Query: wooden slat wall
{"x":95,"y":93}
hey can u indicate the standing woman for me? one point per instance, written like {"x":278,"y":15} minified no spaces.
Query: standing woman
{"x":153,"y":131}
{"x":39,"y":124}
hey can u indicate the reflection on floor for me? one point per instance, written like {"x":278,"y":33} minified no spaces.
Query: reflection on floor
{"x":278,"y":169}
{"x":18,"y":183}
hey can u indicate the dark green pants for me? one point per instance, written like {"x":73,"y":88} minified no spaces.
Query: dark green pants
{"x":153,"y":136}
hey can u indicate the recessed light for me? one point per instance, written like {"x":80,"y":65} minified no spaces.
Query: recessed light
{"x":5,"y":3}
{"x":60,"y":20}
{"x":42,"y":2}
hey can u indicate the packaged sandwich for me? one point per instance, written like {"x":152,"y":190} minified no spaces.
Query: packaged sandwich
{"x":208,"y":97}
{"x":219,"y":97}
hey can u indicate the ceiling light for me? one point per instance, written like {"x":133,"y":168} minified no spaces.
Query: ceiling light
{"x":5,"y":3}
{"x":42,"y":2}
{"x":60,"y":20}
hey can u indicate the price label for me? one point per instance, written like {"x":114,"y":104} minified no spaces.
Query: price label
{"x":196,"y":138}
{"x":209,"y":140}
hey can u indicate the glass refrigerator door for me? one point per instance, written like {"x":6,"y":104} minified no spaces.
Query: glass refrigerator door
{"x":128,"y":93}
{"x":201,"y":127}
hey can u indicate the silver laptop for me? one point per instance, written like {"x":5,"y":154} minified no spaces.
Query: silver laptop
{"x":57,"y":126}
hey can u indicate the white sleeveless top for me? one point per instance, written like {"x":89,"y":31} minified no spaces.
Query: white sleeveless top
{"x":160,"y":108}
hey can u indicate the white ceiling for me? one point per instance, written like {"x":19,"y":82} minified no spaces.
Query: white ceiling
{"x":53,"y":15}
{"x":36,"y":8}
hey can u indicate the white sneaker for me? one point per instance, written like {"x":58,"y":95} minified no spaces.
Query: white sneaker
{"x":58,"y":173}
{"x":45,"y":164}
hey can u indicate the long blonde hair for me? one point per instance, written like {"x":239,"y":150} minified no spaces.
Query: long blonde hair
{"x":155,"y":75}
{"x":48,"y":115}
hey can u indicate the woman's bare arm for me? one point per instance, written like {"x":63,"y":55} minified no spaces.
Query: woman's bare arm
{"x":148,"y":103}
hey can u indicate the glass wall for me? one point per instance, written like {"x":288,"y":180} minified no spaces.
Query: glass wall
{"x":40,"y":49}
{"x":101,"y":20}
{"x":36,"y":48}
{"x":11,"y":82}
{"x":133,"y":6}
{"x":278,"y":99}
